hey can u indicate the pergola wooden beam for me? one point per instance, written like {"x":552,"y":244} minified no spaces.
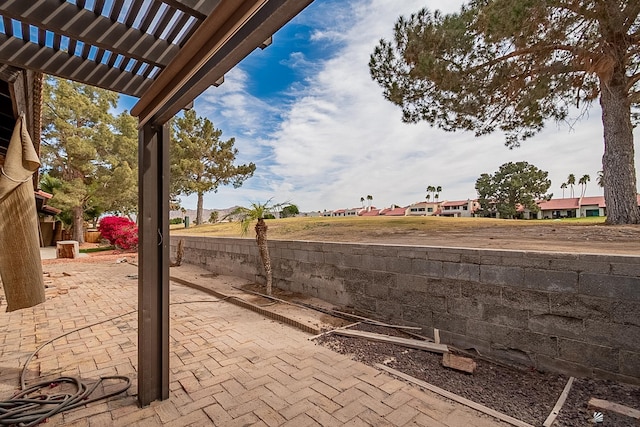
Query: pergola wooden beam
{"x":212,"y":51}
{"x":210,"y":37}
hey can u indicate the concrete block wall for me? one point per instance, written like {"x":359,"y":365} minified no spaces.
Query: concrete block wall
{"x":573,"y":313}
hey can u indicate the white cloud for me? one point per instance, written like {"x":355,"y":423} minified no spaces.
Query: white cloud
{"x":297,"y":60}
{"x":340,"y":140}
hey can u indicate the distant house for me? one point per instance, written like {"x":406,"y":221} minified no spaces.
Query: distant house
{"x":423,"y":209}
{"x":459,"y":208}
{"x":339,"y":212}
{"x":592,"y":206}
{"x":352,"y":211}
{"x":576,"y":207}
{"x":559,"y":208}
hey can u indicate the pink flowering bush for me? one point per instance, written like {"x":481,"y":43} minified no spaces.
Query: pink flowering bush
{"x":119,"y":231}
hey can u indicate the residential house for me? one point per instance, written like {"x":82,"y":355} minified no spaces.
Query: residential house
{"x":559,"y":208}
{"x":592,"y":206}
{"x":459,"y":208}
{"x":577,"y":207}
{"x":352,"y":211}
{"x":423,"y":209}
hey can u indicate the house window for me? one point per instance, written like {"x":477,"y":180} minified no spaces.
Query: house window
{"x":430,"y":210}
{"x":465,"y":208}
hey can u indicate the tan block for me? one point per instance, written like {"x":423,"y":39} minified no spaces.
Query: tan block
{"x":459,"y":363}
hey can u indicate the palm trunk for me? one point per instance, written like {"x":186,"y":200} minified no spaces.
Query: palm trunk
{"x":261,"y":239}
{"x":620,"y":191}
{"x":78,"y":224}
{"x":199,"y":208}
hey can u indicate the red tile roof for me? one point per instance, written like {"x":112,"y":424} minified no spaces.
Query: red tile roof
{"x":372,"y":212}
{"x":456,"y":203}
{"x":393,"y":212}
{"x":597,"y":200}
{"x":43,"y":193}
{"x":559,"y":204}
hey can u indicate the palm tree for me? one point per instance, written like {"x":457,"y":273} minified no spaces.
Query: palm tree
{"x":583,"y":182}
{"x":600,"y":180}
{"x":428,"y":197}
{"x":438,"y":189}
{"x":564,"y":187}
{"x":431,"y":189}
{"x":571,"y":181}
{"x":258,"y":211}
{"x":369,"y":199}
{"x":362,"y":201}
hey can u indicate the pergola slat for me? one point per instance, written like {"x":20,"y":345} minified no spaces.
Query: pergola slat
{"x":116,"y":9}
{"x":72,"y":46}
{"x":134,"y":10}
{"x":81,"y":24}
{"x":98,"y":6}
{"x":177,"y":27}
{"x":42,"y":36}
{"x":162,"y":21}
{"x":200,"y":9}
{"x":151,"y":13}
{"x":8,"y":27}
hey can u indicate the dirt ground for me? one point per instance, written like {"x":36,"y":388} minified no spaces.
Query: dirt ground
{"x":555,"y":238}
{"x":525,"y":394}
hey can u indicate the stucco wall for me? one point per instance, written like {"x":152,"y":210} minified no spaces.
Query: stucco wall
{"x":574,"y":313}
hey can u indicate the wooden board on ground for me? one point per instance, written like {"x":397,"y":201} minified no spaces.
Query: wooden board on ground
{"x":459,"y":363}
{"x":454,"y":397}
{"x":614,"y":407}
{"x":405,"y":342}
{"x":556,"y":409}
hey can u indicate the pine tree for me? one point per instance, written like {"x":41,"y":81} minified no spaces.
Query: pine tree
{"x":201,"y":161}
{"x":511,"y":65}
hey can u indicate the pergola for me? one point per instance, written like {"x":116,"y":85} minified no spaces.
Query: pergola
{"x":165,"y":52}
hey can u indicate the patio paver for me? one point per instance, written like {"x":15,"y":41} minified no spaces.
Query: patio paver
{"x":229,"y":366}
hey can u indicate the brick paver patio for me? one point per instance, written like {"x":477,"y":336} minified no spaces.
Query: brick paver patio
{"x":229,"y":366}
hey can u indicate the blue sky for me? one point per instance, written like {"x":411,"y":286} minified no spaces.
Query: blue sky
{"x":306,"y":111}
